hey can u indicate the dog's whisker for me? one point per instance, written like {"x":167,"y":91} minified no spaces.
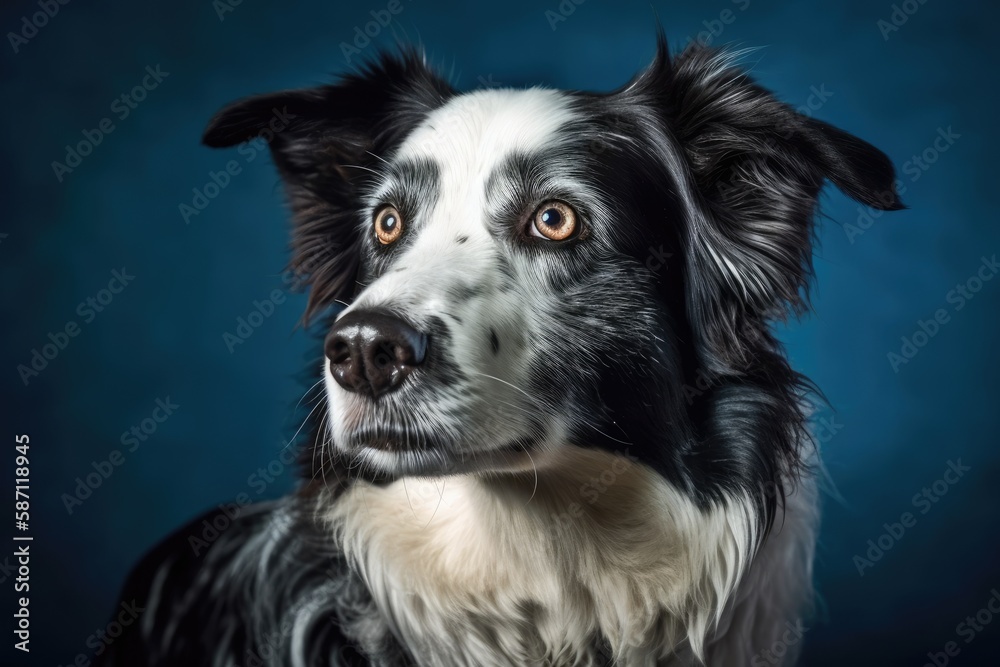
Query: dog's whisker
{"x":509,"y":384}
{"x":609,"y":437}
{"x":323,"y":446}
{"x":406,"y":492}
{"x":315,"y":384}
{"x":438,"y":506}
{"x":378,"y":157}
{"x":534,"y":470}
{"x":317,"y":444}
{"x":299,"y":429}
{"x":358,"y":166}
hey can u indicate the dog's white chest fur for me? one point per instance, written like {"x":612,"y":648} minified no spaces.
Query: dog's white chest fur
{"x":507,"y":571}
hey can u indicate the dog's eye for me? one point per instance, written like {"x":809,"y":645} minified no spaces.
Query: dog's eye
{"x":554,"y":220}
{"x":388,"y":225}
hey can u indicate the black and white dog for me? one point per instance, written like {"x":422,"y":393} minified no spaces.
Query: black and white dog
{"x":558,"y":429}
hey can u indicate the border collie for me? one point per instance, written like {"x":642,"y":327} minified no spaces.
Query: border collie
{"x":557,"y":427}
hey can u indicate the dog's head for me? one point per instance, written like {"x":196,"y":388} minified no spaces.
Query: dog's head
{"x":526,"y":270}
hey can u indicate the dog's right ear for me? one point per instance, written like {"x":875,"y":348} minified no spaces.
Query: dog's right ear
{"x":750,"y":170}
{"x":323,"y":141}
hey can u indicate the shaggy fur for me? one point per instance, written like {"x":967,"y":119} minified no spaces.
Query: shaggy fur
{"x":604,"y":458}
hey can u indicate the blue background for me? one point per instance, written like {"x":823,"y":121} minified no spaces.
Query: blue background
{"x":162,"y":335}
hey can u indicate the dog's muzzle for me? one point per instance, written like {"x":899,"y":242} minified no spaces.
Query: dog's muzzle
{"x":372,"y":352}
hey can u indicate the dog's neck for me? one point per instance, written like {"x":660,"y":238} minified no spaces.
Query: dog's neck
{"x":544,"y":567}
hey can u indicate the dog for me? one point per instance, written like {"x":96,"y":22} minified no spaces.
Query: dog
{"x":557,"y":427}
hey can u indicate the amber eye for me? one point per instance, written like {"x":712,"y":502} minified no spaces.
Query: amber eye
{"x":388,"y":225}
{"x":554,"y":220}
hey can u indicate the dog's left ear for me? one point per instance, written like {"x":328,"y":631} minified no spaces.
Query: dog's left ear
{"x":751,"y":169}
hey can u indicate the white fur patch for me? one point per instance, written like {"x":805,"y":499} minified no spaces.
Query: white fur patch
{"x":472,"y":132}
{"x":597,"y":543}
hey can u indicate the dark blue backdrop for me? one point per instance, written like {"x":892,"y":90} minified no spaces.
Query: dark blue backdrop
{"x":920,"y":92}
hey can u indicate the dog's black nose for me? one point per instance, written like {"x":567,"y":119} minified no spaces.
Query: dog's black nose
{"x":371,"y":352}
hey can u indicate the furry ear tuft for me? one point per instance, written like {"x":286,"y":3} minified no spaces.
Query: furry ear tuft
{"x":263,"y":116}
{"x":752,"y":169}
{"x":323,"y":141}
{"x":860,"y":170}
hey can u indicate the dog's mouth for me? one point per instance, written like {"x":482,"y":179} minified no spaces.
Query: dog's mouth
{"x":414,"y":453}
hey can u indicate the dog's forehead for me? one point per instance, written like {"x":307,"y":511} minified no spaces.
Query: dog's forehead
{"x":469,"y":136}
